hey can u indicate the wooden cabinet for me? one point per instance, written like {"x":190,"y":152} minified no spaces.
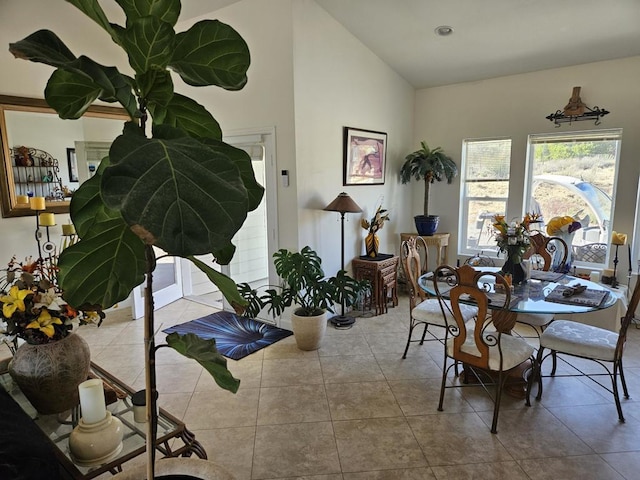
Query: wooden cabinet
{"x":383,"y":275}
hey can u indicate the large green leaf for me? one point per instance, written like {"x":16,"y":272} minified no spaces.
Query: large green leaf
{"x":211,"y":53}
{"x":243,"y":162}
{"x":206,"y":354}
{"x":104,"y":267}
{"x":226,"y":285}
{"x":43,"y":46}
{"x":156,"y":86}
{"x":70,"y":93}
{"x":86,"y":205}
{"x":175,"y":192}
{"x":148,"y":42}
{"x":92,"y":9}
{"x":166,"y":10}
{"x":188,"y":115}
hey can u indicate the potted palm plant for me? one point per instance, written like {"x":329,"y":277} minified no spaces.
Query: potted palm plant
{"x":428,"y":165}
{"x":305,"y":286}
{"x":169,"y":180}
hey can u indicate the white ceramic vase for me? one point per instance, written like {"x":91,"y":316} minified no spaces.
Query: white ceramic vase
{"x":309,"y":331}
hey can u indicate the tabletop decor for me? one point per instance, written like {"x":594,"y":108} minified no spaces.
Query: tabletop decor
{"x":565,"y":227}
{"x":371,"y":241}
{"x":513,"y":240}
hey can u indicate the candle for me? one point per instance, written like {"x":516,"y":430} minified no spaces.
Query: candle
{"x":47,"y":219}
{"x":37,"y":203}
{"x":607,"y":272}
{"x":618,"y":238}
{"x":92,"y":403}
{"x":68,"y":229}
{"x":22,"y":200}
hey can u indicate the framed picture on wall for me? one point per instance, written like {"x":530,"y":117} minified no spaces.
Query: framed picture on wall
{"x":365,"y":153}
{"x":72,"y":163}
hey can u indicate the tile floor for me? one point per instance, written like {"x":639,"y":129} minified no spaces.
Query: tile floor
{"x":354,"y":410}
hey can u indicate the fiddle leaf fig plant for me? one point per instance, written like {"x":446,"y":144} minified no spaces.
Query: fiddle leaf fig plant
{"x":169,"y":180}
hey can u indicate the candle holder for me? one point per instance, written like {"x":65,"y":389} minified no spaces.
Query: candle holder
{"x":614,"y":280}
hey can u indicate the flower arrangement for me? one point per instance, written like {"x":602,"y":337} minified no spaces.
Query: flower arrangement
{"x":376,"y":222}
{"x":32,"y":305}
{"x":565,"y":224}
{"x":513,"y":238}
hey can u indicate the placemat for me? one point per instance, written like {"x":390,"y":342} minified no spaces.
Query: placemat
{"x":588,"y":298}
{"x":546,"y":276}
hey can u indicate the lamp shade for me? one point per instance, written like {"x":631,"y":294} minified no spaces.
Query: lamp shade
{"x":343,"y":203}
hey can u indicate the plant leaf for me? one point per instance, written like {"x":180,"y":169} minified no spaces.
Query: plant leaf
{"x":70,"y":94}
{"x":92,"y":9}
{"x":226,"y":285}
{"x":188,"y":115}
{"x":148,"y":42}
{"x":42,"y":46}
{"x":156,"y":86}
{"x":166,"y":10}
{"x":206,"y":354}
{"x":211,"y":53}
{"x":175,"y":192}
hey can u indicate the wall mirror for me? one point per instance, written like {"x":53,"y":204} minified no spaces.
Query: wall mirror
{"x":45,"y":156}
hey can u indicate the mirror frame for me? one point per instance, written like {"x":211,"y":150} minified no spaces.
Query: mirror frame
{"x":10,"y":207}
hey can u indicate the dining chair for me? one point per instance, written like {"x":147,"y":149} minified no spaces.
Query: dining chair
{"x":544,"y":249}
{"x":580,"y":340}
{"x":423,"y":309}
{"x":487,"y":352}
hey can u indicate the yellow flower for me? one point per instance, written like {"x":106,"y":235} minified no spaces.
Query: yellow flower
{"x":45,"y":323}
{"x":14,"y":301}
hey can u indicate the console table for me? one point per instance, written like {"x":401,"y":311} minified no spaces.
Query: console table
{"x":438,"y":240}
{"x":173,"y":438}
{"x":383,"y":275}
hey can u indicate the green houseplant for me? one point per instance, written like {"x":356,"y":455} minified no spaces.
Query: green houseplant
{"x":168,"y":182}
{"x":428,"y":165}
{"x":305,"y":286}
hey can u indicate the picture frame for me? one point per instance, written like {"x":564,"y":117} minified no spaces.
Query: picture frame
{"x":72,"y":163}
{"x":365,"y":155}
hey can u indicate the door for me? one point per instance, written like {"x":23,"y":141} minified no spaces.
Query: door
{"x":167,"y":284}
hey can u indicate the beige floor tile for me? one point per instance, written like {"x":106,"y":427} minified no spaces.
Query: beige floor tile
{"x":178,"y":378}
{"x":387,"y":342}
{"x":421,"y":473}
{"x":348,"y":401}
{"x":394,"y":367}
{"x":291,"y":371}
{"x":565,"y":391}
{"x":295,"y":450}
{"x":420,"y":397}
{"x":293,"y":404}
{"x":377,"y":444}
{"x":457,"y":438}
{"x":344,"y":345}
{"x":625,"y":463}
{"x":585,"y":467}
{"x":249,"y":372}
{"x":287,"y":348}
{"x":351,"y":368}
{"x":481,"y":471}
{"x":230,"y":447}
{"x":222,"y":409}
{"x":175,"y":403}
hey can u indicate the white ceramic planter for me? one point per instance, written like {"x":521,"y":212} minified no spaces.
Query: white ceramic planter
{"x":309,"y":331}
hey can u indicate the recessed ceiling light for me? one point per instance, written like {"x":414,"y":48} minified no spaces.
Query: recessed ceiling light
{"x":443,"y":30}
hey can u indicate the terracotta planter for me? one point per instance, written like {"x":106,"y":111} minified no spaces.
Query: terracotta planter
{"x":49,"y":374}
{"x":309,"y":331}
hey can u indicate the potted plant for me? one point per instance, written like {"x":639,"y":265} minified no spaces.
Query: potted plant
{"x":169,"y":180}
{"x":305,"y":286}
{"x":428,"y":165}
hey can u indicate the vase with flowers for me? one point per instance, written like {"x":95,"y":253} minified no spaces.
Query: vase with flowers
{"x":564,"y":227}
{"x":513,"y":240}
{"x":49,"y":361}
{"x":371,"y":241}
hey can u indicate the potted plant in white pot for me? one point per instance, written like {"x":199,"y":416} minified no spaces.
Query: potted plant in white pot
{"x":428,"y":165}
{"x":169,"y":180}
{"x":304,"y":286}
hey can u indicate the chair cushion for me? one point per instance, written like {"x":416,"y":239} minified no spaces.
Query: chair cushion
{"x":514,"y":350}
{"x":429,"y":311}
{"x":580,"y":339}
{"x":535,"y":319}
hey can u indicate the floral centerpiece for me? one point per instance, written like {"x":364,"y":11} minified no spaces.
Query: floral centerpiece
{"x":371,"y":241}
{"x":513,"y":240}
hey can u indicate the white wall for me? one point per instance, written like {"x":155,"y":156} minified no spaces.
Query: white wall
{"x":339,"y":82}
{"x":516,"y":106}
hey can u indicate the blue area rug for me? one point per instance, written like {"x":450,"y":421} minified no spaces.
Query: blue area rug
{"x":236,"y":336}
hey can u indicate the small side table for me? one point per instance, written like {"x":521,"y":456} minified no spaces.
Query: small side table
{"x":438,"y":240}
{"x":383,"y":275}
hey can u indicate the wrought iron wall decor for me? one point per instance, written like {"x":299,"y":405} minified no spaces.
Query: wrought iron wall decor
{"x":577,"y":111}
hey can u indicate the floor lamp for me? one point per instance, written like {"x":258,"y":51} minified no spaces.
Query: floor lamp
{"x":343,"y":204}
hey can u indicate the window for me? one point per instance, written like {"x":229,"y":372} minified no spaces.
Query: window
{"x":575,"y":174}
{"x":485,"y":190}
